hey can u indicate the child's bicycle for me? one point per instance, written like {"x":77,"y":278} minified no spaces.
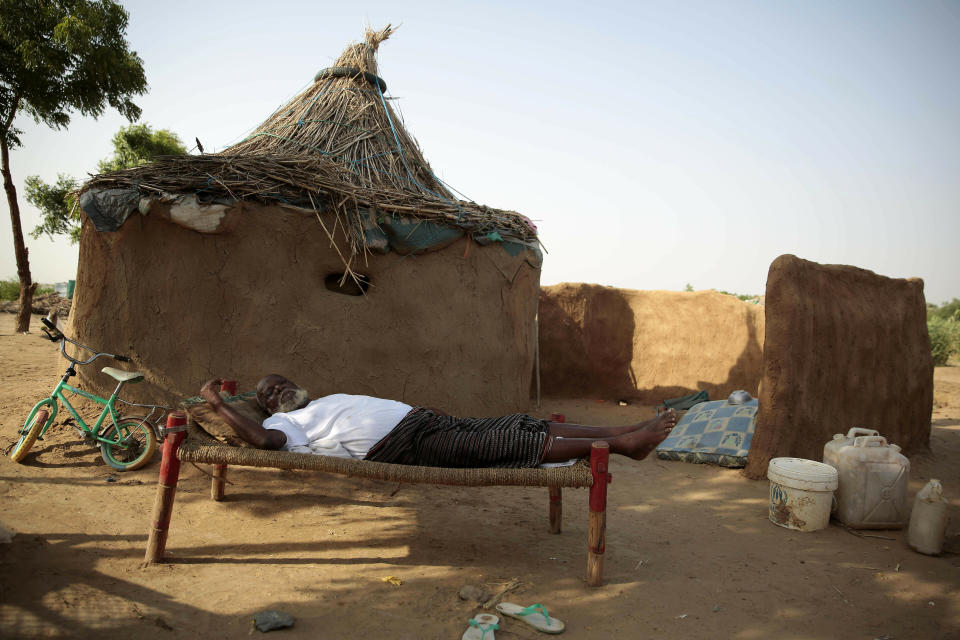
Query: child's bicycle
{"x":126,"y":443}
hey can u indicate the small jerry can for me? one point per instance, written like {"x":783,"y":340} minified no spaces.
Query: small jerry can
{"x":832,"y":449}
{"x":928,"y":520}
{"x":872,"y":484}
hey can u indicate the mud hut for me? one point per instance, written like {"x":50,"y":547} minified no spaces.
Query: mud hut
{"x":322,"y":247}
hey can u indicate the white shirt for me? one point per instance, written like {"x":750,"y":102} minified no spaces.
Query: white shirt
{"x":338,"y":425}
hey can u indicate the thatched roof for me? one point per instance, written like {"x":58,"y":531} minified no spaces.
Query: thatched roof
{"x":338,"y":146}
{"x":345,"y":116}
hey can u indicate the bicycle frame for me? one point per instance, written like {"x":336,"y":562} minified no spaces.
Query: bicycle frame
{"x":109,"y":408}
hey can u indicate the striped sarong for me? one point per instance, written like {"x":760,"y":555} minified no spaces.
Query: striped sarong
{"x":427,"y":439}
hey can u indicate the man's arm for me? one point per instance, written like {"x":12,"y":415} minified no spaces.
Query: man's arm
{"x":249,"y":430}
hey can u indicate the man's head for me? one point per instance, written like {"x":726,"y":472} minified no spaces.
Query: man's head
{"x":276,"y":394}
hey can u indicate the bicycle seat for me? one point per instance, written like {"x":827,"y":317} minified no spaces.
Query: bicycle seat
{"x":123,"y":376}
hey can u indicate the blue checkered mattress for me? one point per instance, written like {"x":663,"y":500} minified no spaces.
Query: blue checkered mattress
{"x":715,"y":432}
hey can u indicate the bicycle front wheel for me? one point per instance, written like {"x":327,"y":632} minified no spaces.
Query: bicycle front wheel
{"x":29,"y":433}
{"x":129,"y":444}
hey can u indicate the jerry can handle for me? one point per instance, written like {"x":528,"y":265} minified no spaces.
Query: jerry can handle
{"x":860,"y":431}
{"x":870,"y":441}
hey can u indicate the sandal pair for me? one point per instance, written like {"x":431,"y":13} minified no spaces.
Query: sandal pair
{"x":483,"y":625}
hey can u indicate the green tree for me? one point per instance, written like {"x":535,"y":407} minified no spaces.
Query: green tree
{"x":56,"y":204}
{"x":944,"y":339}
{"x":133,"y":146}
{"x":946,"y":311}
{"x":56,"y":57}
{"x":139,"y":144}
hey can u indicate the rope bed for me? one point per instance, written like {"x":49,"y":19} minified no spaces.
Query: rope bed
{"x":186,"y":441}
{"x":199,"y":447}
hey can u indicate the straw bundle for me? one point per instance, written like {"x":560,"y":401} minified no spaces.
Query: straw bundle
{"x":344,"y":116}
{"x":337,"y":146}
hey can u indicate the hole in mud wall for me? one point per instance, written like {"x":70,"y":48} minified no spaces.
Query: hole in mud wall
{"x":349,"y":286}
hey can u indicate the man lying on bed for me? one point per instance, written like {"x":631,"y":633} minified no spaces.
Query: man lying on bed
{"x":388,"y":431}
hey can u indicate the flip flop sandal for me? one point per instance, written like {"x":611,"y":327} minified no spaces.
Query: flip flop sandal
{"x":481,"y":627}
{"x":535,"y":615}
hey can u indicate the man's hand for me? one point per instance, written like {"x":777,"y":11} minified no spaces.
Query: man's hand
{"x":210,"y":391}
{"x":250,"y":430}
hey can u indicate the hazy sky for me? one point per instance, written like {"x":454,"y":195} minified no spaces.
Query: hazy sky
{"x":654,"y":143}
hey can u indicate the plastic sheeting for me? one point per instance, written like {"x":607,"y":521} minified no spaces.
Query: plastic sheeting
{"x":108,"y":209}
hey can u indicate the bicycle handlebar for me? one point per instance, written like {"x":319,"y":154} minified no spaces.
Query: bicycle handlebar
{"x":57,"y":335}
{"x":53,"y":333}
{"x":96,"y":354}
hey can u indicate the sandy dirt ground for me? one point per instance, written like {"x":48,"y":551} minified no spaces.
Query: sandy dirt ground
{"x":690,"y":551}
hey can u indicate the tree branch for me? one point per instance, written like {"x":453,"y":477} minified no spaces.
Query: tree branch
{"x":13,"y":113}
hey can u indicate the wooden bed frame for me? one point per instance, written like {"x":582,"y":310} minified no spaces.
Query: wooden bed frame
{"x":184,"y":441}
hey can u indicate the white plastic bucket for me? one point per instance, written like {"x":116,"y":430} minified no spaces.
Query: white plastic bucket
{"x":801,"y":493}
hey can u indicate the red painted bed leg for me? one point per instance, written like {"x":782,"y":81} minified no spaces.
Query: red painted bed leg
{"x":218,"y":482}
{"x":167,"y":487}
{"x":599,"y":468}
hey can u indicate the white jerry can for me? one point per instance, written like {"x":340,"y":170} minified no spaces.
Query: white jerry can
{"x":831,"y":450}
{"x":872,"y":483}
{"x":928,"y":520}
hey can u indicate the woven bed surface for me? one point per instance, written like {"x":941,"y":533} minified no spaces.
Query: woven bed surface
{"x":200,"y":447}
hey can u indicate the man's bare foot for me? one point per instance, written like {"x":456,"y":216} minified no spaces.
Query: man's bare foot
{"x":668,"y":419}
{"x":639,"y":443}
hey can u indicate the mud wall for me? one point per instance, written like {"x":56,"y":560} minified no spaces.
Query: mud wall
{"x":647,"y":345}
{"x":844,"y":347}
{"x":452,"y":328}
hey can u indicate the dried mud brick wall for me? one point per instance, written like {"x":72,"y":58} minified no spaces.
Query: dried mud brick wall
{"x":611,"y":343}
{"x":452,"y":328}
{"x":844,"y":348}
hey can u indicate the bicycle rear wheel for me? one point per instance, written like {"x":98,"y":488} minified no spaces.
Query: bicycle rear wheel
{"x":28,"y":435}
{"x":131,"y":444}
